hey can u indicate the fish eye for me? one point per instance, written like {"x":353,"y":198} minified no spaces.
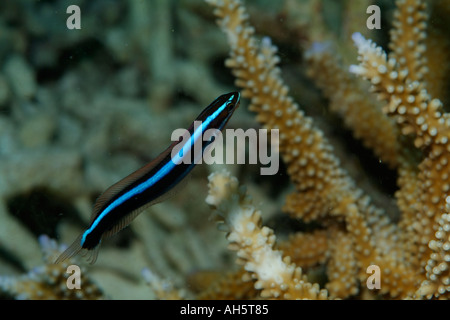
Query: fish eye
{"x":233,"y":101}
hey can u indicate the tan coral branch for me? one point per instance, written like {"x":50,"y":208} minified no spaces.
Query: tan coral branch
{"x":276,"y":276}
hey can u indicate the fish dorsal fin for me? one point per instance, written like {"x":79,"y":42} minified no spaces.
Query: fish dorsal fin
{"x":125,"y":221}
{"x":113,"y":190}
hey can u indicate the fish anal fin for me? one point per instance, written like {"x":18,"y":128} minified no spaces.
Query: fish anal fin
{"x":122,"y":223}
{"x":174,"y":191}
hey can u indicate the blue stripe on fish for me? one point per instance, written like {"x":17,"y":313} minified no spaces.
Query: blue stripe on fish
{"x":124,"y":200}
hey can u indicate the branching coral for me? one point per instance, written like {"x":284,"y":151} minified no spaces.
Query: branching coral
{"x":347,"y":228}
{"x":49,"y":281}
{"x":412,"y":253}
{"x":399,"y":80}
{"x":276,"y":276}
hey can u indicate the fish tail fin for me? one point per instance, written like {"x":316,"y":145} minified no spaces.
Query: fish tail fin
{"x":92,"y":254}
{"x":72,"y":250}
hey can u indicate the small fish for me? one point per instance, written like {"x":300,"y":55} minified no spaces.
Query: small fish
{"x":123,"y":201}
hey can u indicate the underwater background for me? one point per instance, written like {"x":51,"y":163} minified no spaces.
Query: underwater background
{"x":82,"y":108}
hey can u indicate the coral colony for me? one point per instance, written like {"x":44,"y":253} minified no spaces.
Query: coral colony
{"x":354,"y":241}
{"x":413,"y":253}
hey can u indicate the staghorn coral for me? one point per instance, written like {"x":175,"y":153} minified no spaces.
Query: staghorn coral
{"x":412,"y":253}
{"x":322,"y":186}
{"x":347,"y":98}
{"x":276,"y":276}
{"x":76,"y":115}
{"x":399,"y":79}
{"x":51,"y":136}
{"x":49,"y":281}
